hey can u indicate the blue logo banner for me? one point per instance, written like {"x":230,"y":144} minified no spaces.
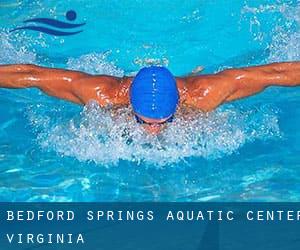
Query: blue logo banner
{"x":56,"y":27}
{"x":205,"y":226}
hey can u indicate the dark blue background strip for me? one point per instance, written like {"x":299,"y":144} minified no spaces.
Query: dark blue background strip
{"x":150,"y":228}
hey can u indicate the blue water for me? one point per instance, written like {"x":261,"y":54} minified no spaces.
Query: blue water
{"x":52,"y":150}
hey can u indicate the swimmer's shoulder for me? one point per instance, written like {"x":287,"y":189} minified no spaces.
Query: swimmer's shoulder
{"x":205,"y":92}
{"x":191,"y":85}
{"x":104,"y":89}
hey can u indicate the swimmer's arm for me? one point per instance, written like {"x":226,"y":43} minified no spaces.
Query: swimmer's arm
{"x":74,"y":86}
{"x":255,"y":79}
{"x":54,"y":82}
{"x":207,"y":92}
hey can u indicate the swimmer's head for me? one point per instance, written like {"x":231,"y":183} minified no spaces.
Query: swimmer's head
{"x":154,"y":95}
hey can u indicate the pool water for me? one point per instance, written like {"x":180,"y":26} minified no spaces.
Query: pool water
{"x":248,"y":150}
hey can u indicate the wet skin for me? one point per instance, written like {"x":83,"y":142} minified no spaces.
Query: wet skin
{"x":203,"y":92}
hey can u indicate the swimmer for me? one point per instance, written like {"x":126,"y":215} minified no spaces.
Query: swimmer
{"x":154,"y":93}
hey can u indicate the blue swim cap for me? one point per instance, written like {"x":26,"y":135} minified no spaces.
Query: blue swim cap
{"x":154,"y":93}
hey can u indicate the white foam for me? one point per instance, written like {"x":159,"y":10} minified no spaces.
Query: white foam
{"x":106,"y":136}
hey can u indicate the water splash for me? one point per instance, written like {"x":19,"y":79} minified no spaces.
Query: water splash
{"x":106,"y":136}
{"x":285,"y":45}
{"x":264,"y":8}
{"x":143,"y":62}
{"x":12,"y":51}
{"x":285,"y":36}
{"x":95,"y":63}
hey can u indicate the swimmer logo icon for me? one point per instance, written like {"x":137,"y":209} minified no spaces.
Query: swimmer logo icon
{"x":58,"y":28}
